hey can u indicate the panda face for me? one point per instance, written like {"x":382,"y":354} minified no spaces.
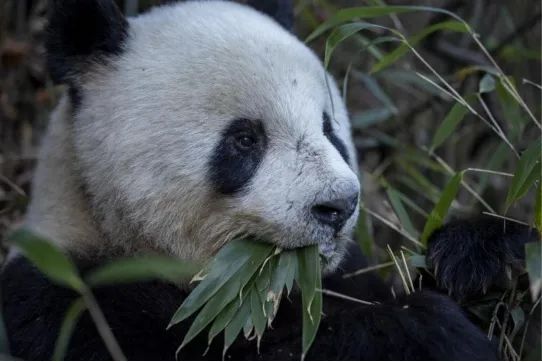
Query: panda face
{"x":214,"y":122}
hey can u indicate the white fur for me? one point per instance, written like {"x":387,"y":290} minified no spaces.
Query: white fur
{"x":150,"y":119}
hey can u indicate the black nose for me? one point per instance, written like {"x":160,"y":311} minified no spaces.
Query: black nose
{"x":335,"y":212}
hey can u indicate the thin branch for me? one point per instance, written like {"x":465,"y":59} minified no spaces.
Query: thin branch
{"x":506,"y":82}
{"x":343,"y":296}
{"x":505,"y":218}
{"x":399,"y":269}
{"x":496,"y":126}
{"x":434,"y":84}
{"x":527,"y":81}
{"x":104,"y":330}
{"x":368,"y":269}
{"x":463,"y":182}
{"x":407,"y":271}
{"x":531,"y":312}
{"x":392,"y":225}
{"x":498,"y":173}
{"x":11,"y":184}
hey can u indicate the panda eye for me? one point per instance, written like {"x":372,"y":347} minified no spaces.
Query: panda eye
{"x":244,"y":142}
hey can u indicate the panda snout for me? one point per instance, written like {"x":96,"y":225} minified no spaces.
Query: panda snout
{"x":335,"y":212}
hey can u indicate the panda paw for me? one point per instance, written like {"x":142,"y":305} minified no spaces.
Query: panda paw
{"x":469,"y":257}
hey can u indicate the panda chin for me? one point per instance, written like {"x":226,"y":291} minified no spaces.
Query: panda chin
{"x":331,"y":254}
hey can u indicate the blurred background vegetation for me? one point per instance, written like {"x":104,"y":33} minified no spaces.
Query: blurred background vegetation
{"x":396,"y":113}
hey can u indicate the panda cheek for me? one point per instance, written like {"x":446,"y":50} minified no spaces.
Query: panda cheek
{"x":231,"y":170}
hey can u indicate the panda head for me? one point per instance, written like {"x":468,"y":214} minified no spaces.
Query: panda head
{"x":202,"y":121}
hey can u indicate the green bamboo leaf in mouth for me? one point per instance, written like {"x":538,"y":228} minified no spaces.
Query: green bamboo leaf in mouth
{"x":243,"y":287}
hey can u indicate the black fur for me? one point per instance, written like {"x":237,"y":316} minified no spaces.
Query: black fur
{"x":471,"y":256}
{"x":421,"y":326}
{"x":280,"y":10}
{"x":332,"y":137}
{"x":80,"y":32}
{"x":232,"y":166}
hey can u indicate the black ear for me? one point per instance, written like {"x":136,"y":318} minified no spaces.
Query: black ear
{"x":280,"y":10}
{"x":81,"y":31}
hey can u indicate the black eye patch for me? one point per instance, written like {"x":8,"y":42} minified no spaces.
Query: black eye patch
{"x":332,"y":137}
{"x":237,"y":156}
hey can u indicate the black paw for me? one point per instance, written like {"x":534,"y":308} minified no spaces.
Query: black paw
{"x":468,"y":257}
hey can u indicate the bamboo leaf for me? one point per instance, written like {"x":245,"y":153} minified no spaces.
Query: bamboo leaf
{"x":263,"y":279}
{"x":292,"y":265}
{"x":533,"y":255}
{"x":280,"y":274}
{"x":528,"y":161}
{"x":215,"y":305}
{"x":223,"y":319}
{"x":439,"y":212}
{"x":518,"y":317}
{"x":48,"y":258}
{"x":365,"y":12}
{"x":370,"y":117}
{"x":498,"y":157}
{"x":452,"y":119}
{"x":533,"y":176}
{"x":237,"y":323}
{"x":66,"y":329}
{"x":419,"y":181}
{"x":399,"y":209}
{"x":418,"y":261}
{"x":248,"y":328}
{"x":408,"y":80}
{"x":340,"y":34}
{"x":394,"y":56}
{"x":310,"y":283}
{"x":257,"y":313}
{"x":487,"y":84}
{"x":232,"y":258}
{"x":363,"y":233}
{"x":375,"y":88}
{"x":277,"y":284}
{"x":127,"y":270}
{"x":510,"y":108}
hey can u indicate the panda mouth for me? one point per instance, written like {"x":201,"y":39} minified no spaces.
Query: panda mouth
{"x":327,"y":251}
{"x":327,"y":248}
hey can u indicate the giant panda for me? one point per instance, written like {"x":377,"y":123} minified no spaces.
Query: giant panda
{"x":195,"y":123}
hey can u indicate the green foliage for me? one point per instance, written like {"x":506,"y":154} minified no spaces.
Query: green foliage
{"x":400,"y":211}
{"x":243,"y":287}
{"x":339,"y":35}
{"x":403,"y":49}
{"x":487,"y":84}
{"x":363,"y":233}
{"x":66,"y":329}
{"x":367,"y":12}
{"x":412,"y":178}
{"x":448,"y":126}
{"x":128,"y":270}
{"x":436,"y":218}
{"x":48,"y":258}
{"x":310,"y":283}
{"x":527,"y":172}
